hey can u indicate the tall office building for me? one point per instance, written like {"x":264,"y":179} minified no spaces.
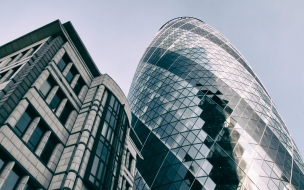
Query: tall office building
{"x":205,"y":119}
{"x":63,"y":125}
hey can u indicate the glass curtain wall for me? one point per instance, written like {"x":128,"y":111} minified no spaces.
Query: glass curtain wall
{"x":204,"y":117}
{"x":106,"y":156}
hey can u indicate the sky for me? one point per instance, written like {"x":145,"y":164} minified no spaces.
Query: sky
{"x":116,"y":33}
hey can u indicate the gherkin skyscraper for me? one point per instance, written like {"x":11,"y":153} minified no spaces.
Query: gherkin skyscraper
{"x":205,"y":119}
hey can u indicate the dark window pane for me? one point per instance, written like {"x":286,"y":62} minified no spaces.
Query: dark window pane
{"x":79,"y":84}
{"x":100,"y":170}
{"x":71,"y":73}
{"x":63,"y":62}
{"x":95,"y":166}
{"x":36,"y":137}
{"x":65,"y":112}
{"x":2,"y":74}
{"x":69,"y":76}
{"x":61,"y":65}
{"x":112,"y":101}
{"x":10,"y":181}
{"x":47,"y":86}
{"x":29,"y":187}
{"x":24,"y":121}
{"x":48,"y":150}
{"x":56,"y":100}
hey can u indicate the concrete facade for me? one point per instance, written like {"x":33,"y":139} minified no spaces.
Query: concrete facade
{"x":63,"y":125}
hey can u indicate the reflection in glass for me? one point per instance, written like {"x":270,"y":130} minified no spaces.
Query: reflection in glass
{"x":205,"y":119}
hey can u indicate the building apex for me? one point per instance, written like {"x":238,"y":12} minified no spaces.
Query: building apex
{"x":54,"y":29}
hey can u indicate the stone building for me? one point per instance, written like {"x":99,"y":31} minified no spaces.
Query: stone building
{"x":63,"y":124}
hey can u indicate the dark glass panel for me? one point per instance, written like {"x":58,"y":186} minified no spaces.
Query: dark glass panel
{"x":11,"y":181}
{"x":36,"y":137}
{"x":24,"y":121}
{"x":58,"y":97}
{"x":68,"y":108}
{"x":63,"y":62}
{"x":79,"y":84}
{"x":47,"y":86}
{"x":48,"y":150}
{"x":2,"y":74}
{"x":71,"y":74}
{"x":30,"y":186}
{"x":112,"y":101}
{"x":109,"y":147}
{"x":95,"y":165}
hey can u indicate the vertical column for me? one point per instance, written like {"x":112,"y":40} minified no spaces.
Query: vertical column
{"x":55,"y":157}
{"x":75,"y":79}
{"x":123,"y":184}
{"x":83,"y":93}
{"x":60,"y":107}
{"x":71,"y":120}
{"x":5,"y":172}
{"x":66,"y":69}
{"x":132,"y":168}
{"x":51,"y":94}
{"x":76,"y":165}
{"x":42,"y":143}
{"x":41,"y":79}
{"x":58,"y":55}
{"x":17,"y":113}
{"x":28,"y":133}
{"x":22,"y":183}
{"x":127,"y":160}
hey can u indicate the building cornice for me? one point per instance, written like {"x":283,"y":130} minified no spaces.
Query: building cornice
{"x":54,"y":29}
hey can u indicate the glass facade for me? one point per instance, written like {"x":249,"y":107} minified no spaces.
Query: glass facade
{"x":103,"y":172}
{"x":204,"y":117}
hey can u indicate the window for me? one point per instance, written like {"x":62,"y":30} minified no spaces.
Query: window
{"x":11,"y":180}
{"x":58,"y":97}
{"x":130,"y":162}
{"x":63,"y":62}
{"x":71,"y":74}
{"x":68,"y":108}
{"x":79,"y":84}
{"x":30,"y":186}
{"x":108,"y":148}
{"x":3,"y":160}
{"x":48,"y":149}
{"x":14,"y":176}
{"x":47,"y":86}
{"x":127,"y":185}
{"x":36,"y":136}
{"x":24,"y":121}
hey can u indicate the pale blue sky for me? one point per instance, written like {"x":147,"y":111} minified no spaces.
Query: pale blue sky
{"x":116,"y":33}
